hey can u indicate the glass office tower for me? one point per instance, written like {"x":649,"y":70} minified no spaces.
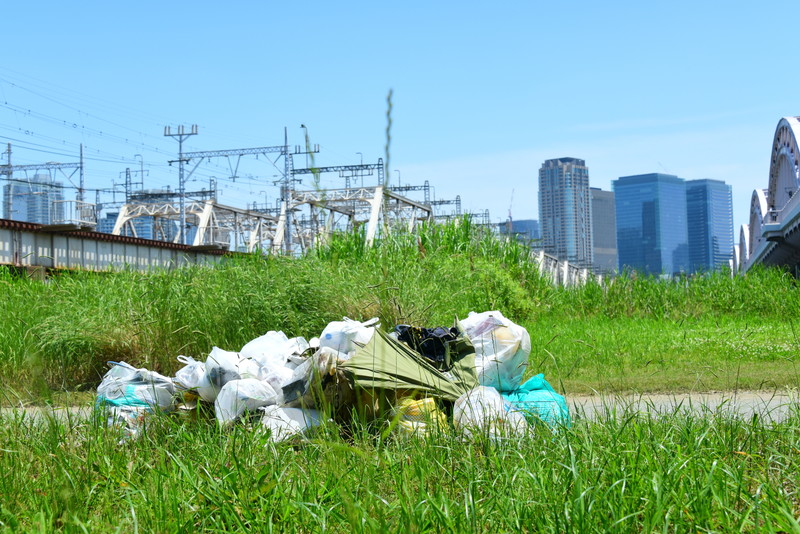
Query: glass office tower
{"x":604,"y":230}
{"x":651,"y":223}
{"x":709,"y":217}
{"x":35,"y":200}
{"x":565,"y":210}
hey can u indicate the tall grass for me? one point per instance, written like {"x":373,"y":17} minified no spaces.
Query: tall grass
{"x":627,"y":473}
{"x":613,"y":335}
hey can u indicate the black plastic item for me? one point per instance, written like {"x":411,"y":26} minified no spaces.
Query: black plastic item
{"x":430,"y":342}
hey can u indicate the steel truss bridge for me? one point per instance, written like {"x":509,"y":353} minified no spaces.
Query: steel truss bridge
{"x":305,"y":218}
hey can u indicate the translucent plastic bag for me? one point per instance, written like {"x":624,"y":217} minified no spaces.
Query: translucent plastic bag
{"x":278,"y":378}
{"x":192,"y":374}
{"x":130,"y":419}
{"x":273,"y":349}
{"x":239,"y":396}
{"x":284,"y":423}
{"x":483,"y":412}
{"x":502,"y":349}
{"x":222,"y":366}
{"x":342,"y":335}
{"x":419,"y":417}
{"x":125,"y":385}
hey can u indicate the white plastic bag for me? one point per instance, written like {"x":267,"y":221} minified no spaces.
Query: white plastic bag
{"x":342,"y":335}
{"x":249,"y":368}
{"x":130,"y":419}
{"x":267,"y":350}
{"x":278,"y":378}
{"x":191,"y":375}
{"x":326,"y":359}
{"x":125,"y":385}
{"x":502,"y":349}
{"x":298,"y":345}
{"x":482,"y":411}
{"x":273,"y":349}
{"x":287,"y":422}
{"x":239,"y":396}
{"x":207,"y":391}
{"x":222,"y":366}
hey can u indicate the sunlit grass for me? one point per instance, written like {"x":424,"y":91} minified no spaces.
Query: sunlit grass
{"x":674,"y":472}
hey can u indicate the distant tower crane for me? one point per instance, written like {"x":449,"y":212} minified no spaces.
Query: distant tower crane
{"x":510,"y":224}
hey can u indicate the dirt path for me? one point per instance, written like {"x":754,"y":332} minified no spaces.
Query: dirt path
{"x":769,"y":405}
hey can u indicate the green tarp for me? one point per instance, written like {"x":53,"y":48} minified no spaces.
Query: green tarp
{"x":385,"y":363}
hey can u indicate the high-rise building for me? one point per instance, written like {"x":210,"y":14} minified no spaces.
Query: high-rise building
{"x":36,"y":200}
{"x":565,"y":210}
{"x":106,"y":224}
{"x":709,"y":219}
{"x":651,"y":223}
{"x":604,"y":230}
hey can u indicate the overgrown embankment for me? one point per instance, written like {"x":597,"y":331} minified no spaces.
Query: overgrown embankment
{"x":705,"y":332}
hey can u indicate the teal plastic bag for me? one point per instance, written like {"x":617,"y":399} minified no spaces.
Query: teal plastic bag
{"x":537,"y":400}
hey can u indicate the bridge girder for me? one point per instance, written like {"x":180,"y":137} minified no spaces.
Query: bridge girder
{"x":216,"y":223}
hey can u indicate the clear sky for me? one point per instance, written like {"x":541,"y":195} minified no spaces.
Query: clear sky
{"x":482,"y":92}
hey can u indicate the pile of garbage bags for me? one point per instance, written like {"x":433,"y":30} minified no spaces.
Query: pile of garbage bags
{"x":416,"y":379}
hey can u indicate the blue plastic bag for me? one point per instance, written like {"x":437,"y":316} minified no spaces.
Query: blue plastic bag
{"x":537,"y":399}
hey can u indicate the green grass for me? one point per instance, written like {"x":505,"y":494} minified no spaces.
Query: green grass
{"x":631,"y":333}
{"x":645,"y":354}
{"x":677,"y":472}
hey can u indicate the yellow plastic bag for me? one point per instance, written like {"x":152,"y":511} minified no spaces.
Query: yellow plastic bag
{"x":418,"y":417}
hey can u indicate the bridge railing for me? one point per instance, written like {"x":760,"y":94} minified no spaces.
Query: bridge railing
{"x":787,"y":211}
{"x":73,"y":212}
{"x":561,"y":272}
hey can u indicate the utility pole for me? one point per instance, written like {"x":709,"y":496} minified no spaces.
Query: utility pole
{"x":288,"y":183}
{"x":128,"y":188}
{"x":8,"y":162}
{"x":510,"y":226}
{"x":141,"y":168}
{"x":80,"y":189}
{"x":181,"y":136}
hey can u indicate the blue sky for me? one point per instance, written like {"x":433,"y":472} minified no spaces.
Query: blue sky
{"x":482,"y":92}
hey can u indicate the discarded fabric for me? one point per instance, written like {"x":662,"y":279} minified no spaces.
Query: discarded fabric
{"x":433,"y":343}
